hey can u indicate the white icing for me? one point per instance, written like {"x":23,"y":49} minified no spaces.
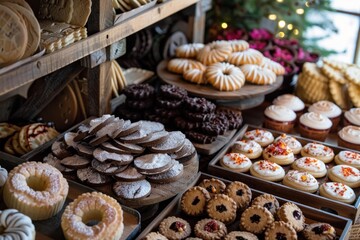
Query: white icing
{"x":310,"y":164}
{"x":339,"y":190}
{"x":347,"y":173}
{"x":280,"y":150}
{"x":280,"y":113}
{"x":290,"y":101}
{"x":302,"y":178}
{"x":315,"y":121}
{"x":236,"y":160}
{"x":349,"y":157}
{"x":350,"y":134}
{"x":267,"y":168}
{"x":16,"y":225}
{"x":247,"y":146}
{"x":353,"y":116}
{"x":290,"y":141}
{"x":259,"y":136}
{"x":318,"y":150}
{"x":3,"y":176}
{"x":325,"y":108}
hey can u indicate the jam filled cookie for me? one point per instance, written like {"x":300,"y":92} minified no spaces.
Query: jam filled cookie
{"x":210,"y":229}
{"x":175,"y":228}
{"x":319,"y":231}
{"x":345,"y":174}
{"x":301,"y":180}
{"x":311,"y":165}
{"x":240,"y":235}
{"x":256,"y":219}
{"x":221,"y":207}
{"x":236,"y":162}
{"x":292,"y":214}
{"x":318,"y":151}
{"x":249,"y":148}
{"x":240,"y":193}
{"x":348,"y":158}
{"x":267,"y":170}
{"x":267,"y":201}
{"x":262,"y":137}
{"x":291,"y":142}
{"x":279,"y":153}
{"x":280,"y":230}
{"x":194,"y":200}
{"x":337,"y":191}
{"x":213,"y":186}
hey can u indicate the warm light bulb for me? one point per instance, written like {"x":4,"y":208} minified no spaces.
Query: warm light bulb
{"x":280,"y":1}
{"x":300,"y":11}
{"x":296,"y":32}
{"x":272,"y":16}
{"x":290,"y":26}
{"x":281,"y":34}
{"x":307,"y":4}
{"x":281,"y":23}
{"x":224,"y":25}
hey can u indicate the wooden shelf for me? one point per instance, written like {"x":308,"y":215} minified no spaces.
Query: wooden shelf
{"x":51,"y":62}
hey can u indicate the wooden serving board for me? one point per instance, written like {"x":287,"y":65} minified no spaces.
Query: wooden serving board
{"x":341,"y":224}
{"x":277,"y":188}
{"x":207,"y":91}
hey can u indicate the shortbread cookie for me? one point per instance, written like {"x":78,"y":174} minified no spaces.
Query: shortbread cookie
{"x":301,"y":180}
{"x":267,"y":201}
{"x":338,"y":65}
{"x":348,"y":158}
{"x":267,"y":170}
{"x":132,"y":190}
{"x":311,"y":165}
{"x":175,"y":228}
{"x":354,"y":94}
{"x":224,"y":76}
{"x":236,"y":162}
{"x":319,"y":231}
{"x":313,"y":71}
{"x":249,"y":56}
{"x":154,"y":236}
{"x":221,"y":207}
{"x":214,"y":52}
{"x":347,"y":175}
{"x":213,"y":186}
{"x":195,"y":76}
{"x":277,"y":68}
{"x":234,"y":235}
{"x":240,"y":193}
{"x":256,"y":219}
{"x":262,"y":137}
{"x":280,"y":230}
{"x":333,"y":74}
{"x":292,"y":214}
{"x":210,"y":229}
{"x":291,"y":142}
{"x":180,"y":65}
{"x":249,"y":148}
{"x":319,"y":151}
{"x":337,"y":191}
{"x":258,"y":75}
{"x":339,"y":94}
{"x":189,"y":50}
{"x":353,"y":74}
{"x":194,"y":200}
{"x":278,"y":152}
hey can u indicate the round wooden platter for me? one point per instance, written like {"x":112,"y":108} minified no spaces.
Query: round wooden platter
{"x":207,"y":91}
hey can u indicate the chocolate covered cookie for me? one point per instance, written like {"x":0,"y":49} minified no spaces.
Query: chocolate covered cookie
{"x":201,"y":105}
{"x":139,"y":91}
{"x":172,"y":92}
{"x":198,"y":137}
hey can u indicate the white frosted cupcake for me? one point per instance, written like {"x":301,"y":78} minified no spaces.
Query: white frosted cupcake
{"x":279,"y":153}
{"x":279,"y":118}
{"x":352,"y":117}
{"x":349,"y":137}
{"x":249,"y":148}
{"x":311,"y":165}
{"x":267,"y":170}
{"x":327,"y":109}
{"x":314,"y":125}
{"x":236,"y":161}
{"x":291,"y":142}
{"x":348,"y":158}
{"x":337,"y":191}
{"x":345,"y":174}
{"x":301,"y":180}
{"x":292,"y":102}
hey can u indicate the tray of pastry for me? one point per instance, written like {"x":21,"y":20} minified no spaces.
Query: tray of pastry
{"x":213,"y":207}
{"x":302,"y":177}
{"x":109,"y":164}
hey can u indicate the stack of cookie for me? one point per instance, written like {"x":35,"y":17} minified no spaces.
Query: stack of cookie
{"x":134,"y":154}
{"x":334,"y":80}
{"x":128,"y":5}
{"x":21,"y":140}
{"x":20,"y":31}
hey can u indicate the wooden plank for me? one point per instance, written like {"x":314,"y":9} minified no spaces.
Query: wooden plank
{"x":56,"y":60}
{"x":197,"y":23}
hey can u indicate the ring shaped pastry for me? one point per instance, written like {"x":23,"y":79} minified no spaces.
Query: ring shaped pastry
{"x":189,"y":50}
{"x":93,"y":216}
{"x":225,"y":76}
{"x":195,"y":76}
{"x":318,"y":151}
{"x":279,"y":153}
{"x":16,"y":225}
{"x":311,"y":165}
{"x":258,"y":75}
{"x":36,"y":189}
{"x":249,"y":56}
{"x":180,"y":65}
{"x":214,"y":52}
{"x":272,"y":65}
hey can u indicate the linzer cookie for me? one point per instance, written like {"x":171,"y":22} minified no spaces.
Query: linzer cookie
{"x":194,"y":200}
{"x":173,"y":143}
{"x":92,"y":177}
{"x":132,"y":190}
{"x":256,"y":219}
{"x":213,"y":186}
{"x":175,"y":228}
{"x":223,"y":208}
{"x":267,"y":201}
{"x":153,"y":163}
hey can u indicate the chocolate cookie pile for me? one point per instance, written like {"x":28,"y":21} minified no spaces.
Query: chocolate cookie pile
{"x":199,"y":118}
{"x":129,"y":155}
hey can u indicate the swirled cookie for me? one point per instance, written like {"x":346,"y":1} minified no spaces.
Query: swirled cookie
{"x":214,"y":52}
{"x":179,"y":65}
{"x":225,"y":77}
{"x":195,"y":76}
{"x":189,"y":50}
{"x":258,"y":75}
{"x":272,"y":65}
{"x":249,"y":56}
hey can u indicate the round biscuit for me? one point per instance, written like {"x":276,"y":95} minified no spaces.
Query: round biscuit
{"x":338,"y":93}
{"x":353,"y":74}
{"x":333,"y":74}
{"x":22,"y":3}
{"x":354,"y":94}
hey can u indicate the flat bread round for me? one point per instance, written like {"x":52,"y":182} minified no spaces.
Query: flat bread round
{"x":60,"y":11}
{"x":22,"y":3}
{"x":82,"y":10}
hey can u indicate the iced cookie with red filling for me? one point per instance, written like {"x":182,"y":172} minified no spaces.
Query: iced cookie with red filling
{"x":175,"y":228}
{"x":267,"y":170}
{"x":348,"y":158}
{"x":319,"y":151}
{"x":337,"y":191}
{"x":279,"y":153}
{"x":210,"y":229}
{"x":301,"y":180}
{"x":345,"y":174}
{"x":236,"y":162}
{"x":213,"y":186}
{"x":319,"y":231}
{"x":260,"y":136}
{"x":311,"y":165}
{"x":249,"y":148}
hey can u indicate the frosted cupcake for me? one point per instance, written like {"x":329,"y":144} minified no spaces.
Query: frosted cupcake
{"x":292,"y":102}
{"x":349,"y":137}
{"x":352,"y":117}
{"x":327,"y":109}
{"x":279,"y":118}
{"x":315,"y":126}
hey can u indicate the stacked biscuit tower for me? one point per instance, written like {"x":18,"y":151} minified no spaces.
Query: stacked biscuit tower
{"x":334,"y":80}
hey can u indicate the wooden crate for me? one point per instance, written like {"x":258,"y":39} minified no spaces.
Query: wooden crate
{"x":312,"y":199}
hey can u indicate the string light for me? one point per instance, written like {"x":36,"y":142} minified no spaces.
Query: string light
{"x":281,"y":34}
{"x":224,"y":25}
{"x":300,"y":11}
{"x":290,"y":26}
{"x":307,"y":4}
{"x":272,"y":16}
{"x":280,"y":1}
{"x":296,"y":32}
{"x":281,"y":23}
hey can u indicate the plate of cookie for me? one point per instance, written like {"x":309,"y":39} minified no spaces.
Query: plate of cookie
{"x":214,"y":208}
{"x":314,"y":173}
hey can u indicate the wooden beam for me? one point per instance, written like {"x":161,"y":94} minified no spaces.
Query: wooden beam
{"x":198,"y":21}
